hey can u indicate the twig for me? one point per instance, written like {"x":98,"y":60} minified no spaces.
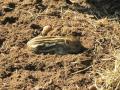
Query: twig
{"x":82,"y":70}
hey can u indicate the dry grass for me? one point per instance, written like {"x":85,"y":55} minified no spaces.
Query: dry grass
{"x":107,"y":53}
{"x":109,"y":79}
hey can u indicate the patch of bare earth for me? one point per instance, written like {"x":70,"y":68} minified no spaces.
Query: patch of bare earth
{"x":21,"y":20}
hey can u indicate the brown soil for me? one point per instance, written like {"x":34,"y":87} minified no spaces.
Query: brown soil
{"x":21,"y":20}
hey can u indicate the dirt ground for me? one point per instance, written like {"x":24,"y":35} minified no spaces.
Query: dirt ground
{"x":21,"y":20}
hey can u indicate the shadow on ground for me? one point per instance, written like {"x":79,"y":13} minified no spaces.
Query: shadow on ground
{"x":101,"y":9}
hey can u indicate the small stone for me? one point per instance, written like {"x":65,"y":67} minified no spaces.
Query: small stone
{"x":46,"y":29}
